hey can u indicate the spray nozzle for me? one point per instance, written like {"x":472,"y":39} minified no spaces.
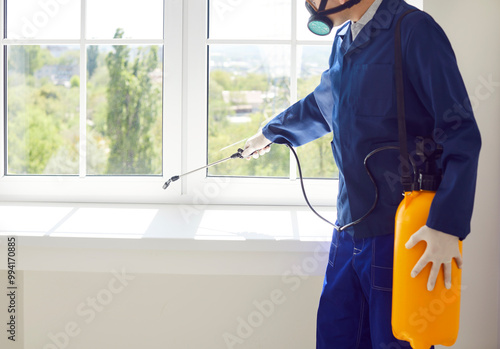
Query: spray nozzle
{"x":236,"y":155}
{"x":167,"y":183}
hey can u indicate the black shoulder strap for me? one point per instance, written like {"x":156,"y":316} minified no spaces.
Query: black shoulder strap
{"x":406,"y":178}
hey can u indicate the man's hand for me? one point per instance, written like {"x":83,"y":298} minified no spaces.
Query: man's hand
{"x":256,"y":145}
{"x":441,"y":248}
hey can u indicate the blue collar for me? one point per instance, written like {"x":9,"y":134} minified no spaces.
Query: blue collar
{"x":382,"y":20}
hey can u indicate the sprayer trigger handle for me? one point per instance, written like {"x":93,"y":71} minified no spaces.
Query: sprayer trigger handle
{"x":238,"y":154}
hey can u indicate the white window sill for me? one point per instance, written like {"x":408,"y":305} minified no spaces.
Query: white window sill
{"x":184,"y":239}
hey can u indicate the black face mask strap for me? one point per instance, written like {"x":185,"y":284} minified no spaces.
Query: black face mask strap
{"x":348,"y":4}
{"x":322,"y":5}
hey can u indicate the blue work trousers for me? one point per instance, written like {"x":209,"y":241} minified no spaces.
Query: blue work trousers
{"x":355,"y":305}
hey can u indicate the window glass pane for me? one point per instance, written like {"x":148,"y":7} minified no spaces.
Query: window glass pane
{"x":312,"y":61}
{"x":249,"y":84}
{"x":46,"y":19}
{"x":124,"y":109}
{"x":43,"y":109}
{"x":134,"y":19}
{"x":250,"y":19}
{"x":316,"y":157}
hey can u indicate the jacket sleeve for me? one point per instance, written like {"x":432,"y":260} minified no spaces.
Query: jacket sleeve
{"x":432,"y":70}
{"x":308,"y":119}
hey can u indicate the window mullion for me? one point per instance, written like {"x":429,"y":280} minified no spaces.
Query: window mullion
{"x":194,"y":126}
{"x":83,"y":93}
{"x":173,"y":68}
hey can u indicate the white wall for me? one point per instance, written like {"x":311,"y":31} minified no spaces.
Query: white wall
{"x":474,"y":29}
{"x":170,"y":311}
{"x":132,"y":297}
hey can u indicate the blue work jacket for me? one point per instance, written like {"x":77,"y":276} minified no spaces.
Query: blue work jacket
{"x":356,"y":99}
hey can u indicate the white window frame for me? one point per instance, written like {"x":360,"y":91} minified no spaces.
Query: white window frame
{"x":184,"y":109}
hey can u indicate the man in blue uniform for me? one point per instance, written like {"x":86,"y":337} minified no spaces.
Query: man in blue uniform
{"x":356,"y":99}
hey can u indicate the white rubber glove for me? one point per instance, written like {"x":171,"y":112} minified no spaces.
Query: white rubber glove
{"x":441,"y":248}
{"x":256,"y":145}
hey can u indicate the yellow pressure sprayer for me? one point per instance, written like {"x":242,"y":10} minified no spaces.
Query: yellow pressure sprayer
{"x":421,"y":317}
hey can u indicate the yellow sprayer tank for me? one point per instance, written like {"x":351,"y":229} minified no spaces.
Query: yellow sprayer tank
{"x":421,"y":317}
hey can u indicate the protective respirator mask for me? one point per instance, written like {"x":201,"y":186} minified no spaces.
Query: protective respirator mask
{"x":319,"y":23}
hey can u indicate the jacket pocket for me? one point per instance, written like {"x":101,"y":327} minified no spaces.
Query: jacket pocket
{"x":373,"y":89}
